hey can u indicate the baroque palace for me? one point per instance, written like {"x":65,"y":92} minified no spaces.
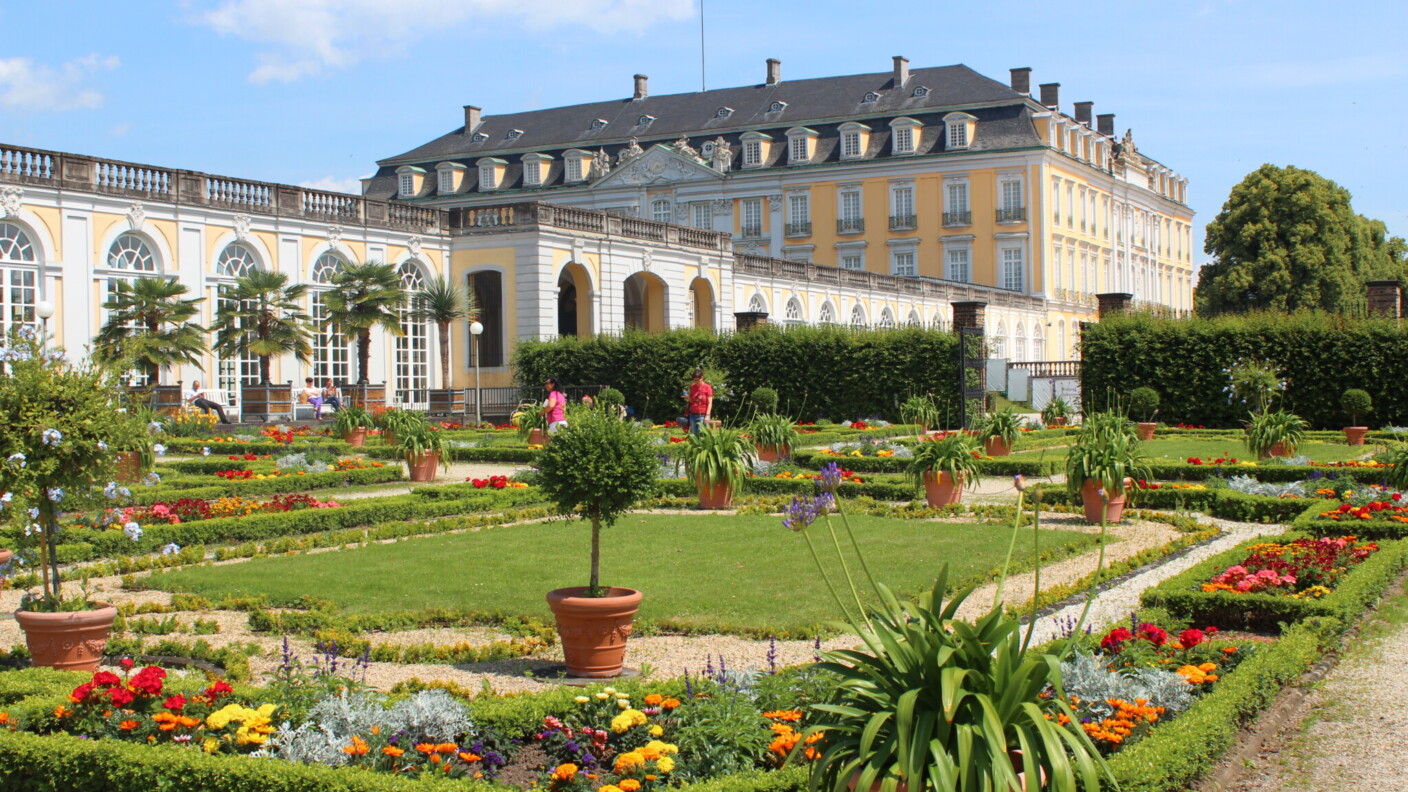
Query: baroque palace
{"x":868,"y":200}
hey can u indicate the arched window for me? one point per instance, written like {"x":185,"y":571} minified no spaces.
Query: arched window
{"x":1038,"y":342}
{"x":131,"y":252}
{"x":18,"y":276}
{"x":236,"y":260}
{"x":857,"y":316}
{"x":756,"y":304}
{"x":827,"y":314}
{"x":887,"y":319}
{"x":1062,"y":351}
{"x":793,"y":313}
{"x":1019,"y":345}
{"x":999,"y":341}
{"x":661,"y":211}
{"x":330,"y":354}
{"x":412,"y":375}
{"x":914,"y":319}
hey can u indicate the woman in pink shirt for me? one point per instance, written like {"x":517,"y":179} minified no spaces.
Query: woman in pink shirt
{"x":555,"y":408}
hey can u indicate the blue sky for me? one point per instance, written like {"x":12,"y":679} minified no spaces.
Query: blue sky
{"x":314,"y":91}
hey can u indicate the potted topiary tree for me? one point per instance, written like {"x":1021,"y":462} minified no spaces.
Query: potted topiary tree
{"x":999,"y":431}
{"x":1144,"y":405}
{"x":764,"y":399}
{"x":1056,"y":412}
{"x":715,"y":460}
{"x":944,"y":467}
{"x":64,"y":426}
{"x":1355,"y":403}
{"x":1275,"y":433}
{"x":423,"y":448}
{"x":773,"y":436}
{"x":597,"y":469}
{"x":1102,"y":465}
{"x":612,"y":401}
{"x":352,"y":423}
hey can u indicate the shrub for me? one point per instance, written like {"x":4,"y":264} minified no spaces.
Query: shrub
{"x":1355,"y":402}
{"x":1144,"y":402}
{"x":765,"y":399}
{"x":1275,"y":427}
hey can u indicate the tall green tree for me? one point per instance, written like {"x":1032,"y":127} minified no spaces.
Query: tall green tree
{"x":149,"y":325}
{"x":443,"y":302}
{"x":1288,"y":239}
{"x":262,"y":315}
{"x":367,"y":295}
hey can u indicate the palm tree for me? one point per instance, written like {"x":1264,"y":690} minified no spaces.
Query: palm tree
{"x":367,"y":295}
{"x":149,"y":325}
{"x":261,"y":315}
{"x":442,"y":302}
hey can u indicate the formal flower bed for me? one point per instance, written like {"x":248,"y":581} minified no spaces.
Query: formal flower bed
{"x":867,"y":448}
{"x":1303,"y":568}
{"x":1154,"y":485}
{"x":496,"y":482}
{"x":847,"y":476}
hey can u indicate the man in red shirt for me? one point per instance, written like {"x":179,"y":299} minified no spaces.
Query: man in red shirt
{"x":701,"y":401}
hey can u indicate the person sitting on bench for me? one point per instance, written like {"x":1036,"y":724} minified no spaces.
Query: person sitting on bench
{"x":195,"y":396}
{"x":312,"y":394}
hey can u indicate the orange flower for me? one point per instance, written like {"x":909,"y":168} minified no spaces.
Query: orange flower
{"x":447,"y":748}
{"x":429,"y":749}
{"x":128,"y":725}
{"x":62,"y":712}
{"x":392,"y":751}
{"x":358,"y":747}
{"x":654,"y":700}
{"x":629,"y":785}
{"x":564,"y":772}
{"x":467,"y":757}
{"x":783,"y":715}
{"x":670,"y":703}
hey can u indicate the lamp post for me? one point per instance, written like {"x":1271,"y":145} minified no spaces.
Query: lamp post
{"x":476,"y":329}
{"x":44,"y":310}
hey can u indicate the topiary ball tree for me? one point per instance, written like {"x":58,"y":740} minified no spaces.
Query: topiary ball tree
{"x":597,"y":468}
{"x":1144,"y":401}
{"x":765,"y":399}
{"x":610,"y":397}
{"x":1355,"y":402}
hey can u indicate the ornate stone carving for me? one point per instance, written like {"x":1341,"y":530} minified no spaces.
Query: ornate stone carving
{"x":334,"y":235}
{"x":646,"y":259}
{"x":630,"y":152}
{"x":136,"y":216}
{"x":723,"y":207}
{"x":682,"y":146}
{"x":10,"y":200}
{"x":722,"y":158}
{"x":601,"y":164}
{"x":681,"y":213}
{"x":413,"y":244}
{"x":775,"y":203}
{"x":242,"y":226}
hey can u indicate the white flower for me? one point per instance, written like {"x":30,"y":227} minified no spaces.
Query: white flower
{"x":151,"y":478}
{"x":51,"y":437}
{"x":102,"y":446}
{"x":154,"y":426}
{"x":133,"y":531}
{"x":5,"y":499}
{"x":159,"y":449}
{"x":171,"y":549}
{"x":205,"y":451}
{"x":56,"y":494}
{"x":16,"y":457}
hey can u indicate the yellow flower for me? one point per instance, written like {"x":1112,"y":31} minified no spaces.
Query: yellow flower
{"x":211,"y":745}
{"x":603,"y":696}
{"x":662,"y":748}
{"x":665,"y":764}
{"x":628,"y":761}
{"x":621,"y":723}
{"x":609,"y":691}
{"x":656,"y":731}
{"x":623,"y":703}
{"x":581,"y":699}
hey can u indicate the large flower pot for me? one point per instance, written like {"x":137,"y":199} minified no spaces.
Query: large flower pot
{"x":942,"y":489}
{"x":1354,"y":435}
{"x":423,"y":466}
{"x":716,"y":496}
{"x":1276,"y":450}
{"x":129,"y":468}
{"x":388,"y":437}
{"x":537,"y":437}
{"x":1146,"y":429}
{"x":594,"y":630}
{"x":5,"y":556}
{"x":771,"y":453}
{"x":1094,"y":504}
{"x":356,"y":437}
{"x":996,"y":447}
{"x":1056,"y":422}
{"x":69,"y":640}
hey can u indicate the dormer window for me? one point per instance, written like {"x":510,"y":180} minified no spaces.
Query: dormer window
{"x":755,"y":149}
{"x":535,"y":167}
{"x":904,"y":135}
{"x":777,"y":107}
{"x":490,"y":172}
{"x":800,"y":145}
{"x":723,"y":112}
{"x":920,"y":92}
{"x":707,"y":149}
{"x":870,"y":98}
{"x":479,"y":137}
{"x":959,"y":129}
{"x":410,"y":181}
{"x":575,"y":162}
{"x":450,"y":177}
{"x":408,"y":185}
{"x":853,"y":140}
{"x":599,"y":123}
{"x":514,"y":134}
{"x":645,"y":120}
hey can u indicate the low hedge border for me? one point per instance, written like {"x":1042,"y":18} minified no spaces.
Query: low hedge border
{"x":1176,"y":753}
{"x":195,"y":445}
{"x":1182,"y":595}
{"x":188,"y":488}
{"x":879,"y":490}
{"x":996,"y":466}
{"x":1215,"y":501}
{"x":1311,"y":522}
{"x":1173,"y":470}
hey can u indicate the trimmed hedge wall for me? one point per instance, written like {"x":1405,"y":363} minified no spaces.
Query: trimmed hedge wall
{"x":1182,"y":595}
{"x":1311,"y":522}
{"x":1000,"y":466}
{"x":879,"y":490}
{"x":828,"y":371}
{"x":1320,"y":357}
{"x":218,"y":488}
{"x":1216,"y":501}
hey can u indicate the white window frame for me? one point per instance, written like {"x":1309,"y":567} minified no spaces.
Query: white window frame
{"x":799,"y":145}
{"x":826,"y":314}
{"x":701,"y":215}
{"x":1011,"y":185}
{"x":406,"y":185}
{"x":853,"y":140}
{"x":1012,"y":262}
{"x":957,"y":135}
{"x":904,"y":136}
{"x":535,"y":165}
{"x":447,"y":182}
{"x":902,"y":200}
{"x":850,"y":205}
{"x":904,"y":261}
{"x":799,"y":207}
{"x":750,"y":209}
{"x":574,"y":169}
{"x":665,"y":216}
{"x":793,"y":313}
{"x":488,"y":178}
{"x":958,"y":263}
{"x":859,"y":316}
{"x":956,"y":188}
{"x":752,"y":153}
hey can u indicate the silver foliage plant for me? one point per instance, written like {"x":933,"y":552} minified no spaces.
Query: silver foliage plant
{"x":1088,"y":678}
{"x":1270,"y":489}
{"x":428,"y":716}
{"x":294,"y":463}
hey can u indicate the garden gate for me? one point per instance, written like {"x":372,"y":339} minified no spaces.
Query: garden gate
{"x":972,"y":371}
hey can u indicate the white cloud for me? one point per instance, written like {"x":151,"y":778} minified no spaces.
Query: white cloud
{"x":121,"y":129}
{"x":26,"y":85}
{"x":311,"y":37}
{"x":334,"y":184}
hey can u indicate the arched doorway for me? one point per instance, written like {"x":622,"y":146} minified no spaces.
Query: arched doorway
{"x":645,"y":302}
{"x":701,"y":300}
{"x":574,"y":306}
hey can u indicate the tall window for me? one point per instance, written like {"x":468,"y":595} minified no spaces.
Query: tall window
{"x":857,"y":316}
{"x":408,"y":185}
{"x":827,"y":315}
{"x":235,"y":261}
{"x":902,"y":263}
{"x":958,"y":135}
{"x":799,"y":208}
{"x":851,"y":219}
{"x":958,"y":269}
{"x":1056,"y":265}
{"x":902,"y":206}
{"x":488,"y":290}
{"x":794,"y":312}
{"x":447,"y":182}
{"x":852,"y":261}
{"x":797,"y":149}
{"x":18,"y":277}
{"x":701,"y":215}
{"x":887,"y":319}
{"x":751,"y":217}
{"x":488,"y":177}
{"x":1012,"y":195}
{"x":574,"y":169}
{"x":958,"y":197}
{"x":1070,"y":205}
{"x":753,"y":152}
{"x":412,"y":374}
{"x":330,"y":359}
{"x":850,"y":144}
{"x":661,"y":211}
{"x":1012,"y":269}
{"x":904,"y":140}
{"x":532,"y":173}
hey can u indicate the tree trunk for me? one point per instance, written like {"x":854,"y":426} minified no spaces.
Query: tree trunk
{"x":364,"y":353}
{"x":263,"y":369}
{"x":596,"y":553}
{"x":445,"y":355}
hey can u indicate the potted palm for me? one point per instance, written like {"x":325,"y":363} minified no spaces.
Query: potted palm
{"x":1144,"y":405}
{"x":1355,"y":403}
{"x":597,"y":469}
{"x":1102,"y":465}
{"x":715,"y":459}
{"x":423,"y":448}
{"x":1275,"y":433}
{"x":442,"y":303}
{"x":999,"y":431}
{"x":262,"y":315}
{"x":922,"y":412}
{"x":352,"y":424}
{"x":944,"y":467}
{"x":364,"y":296}
{"x":532,"y":424}
{"x":66,"y":424}
{"x":149,"y":322}
{"x":773,"y":436}
{"x":393,"y":423}
{"x":1057,"y":412}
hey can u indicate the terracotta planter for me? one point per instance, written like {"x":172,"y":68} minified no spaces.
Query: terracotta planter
{"x":1056,"y":422}
{"x":356,"y":438}
{"x":423,"y":467}
{"x":388,"y":438}
{"x":68,"y":641}
{"x":718,"y":496}
{"x":5,"y":556}
{"x":129,"y":468}
{"x":1146,"y":430}
{"x":1090,"y":495}
{"x":996,"y":447}
{"x":537,"y":437}
{"x":1354,"y":435}
{"x":713,"y":423}
{"x":594,"y":630}
{"x":771,"y":453}
{"x":1276,"y":450}
{"x":942,"y":490}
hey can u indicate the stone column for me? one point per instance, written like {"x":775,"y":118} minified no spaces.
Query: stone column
{"x":1111,"y":303}
{"x":1385,"y":299}
{"x":969,"y":314}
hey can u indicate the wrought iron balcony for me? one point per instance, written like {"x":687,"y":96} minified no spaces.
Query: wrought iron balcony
{"x":850,"y":225}
{"x":958,"y":219}
{"x":752,"y":231}
{"x":1017,"y":215}
{"x":902,"y":222}
{"x":799,"y":229}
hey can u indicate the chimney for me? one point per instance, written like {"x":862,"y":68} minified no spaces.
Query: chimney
{"x":1107,"y":124}
{"x":1022,"y":80}
{"x":1083,"y":110}
{"x":641,"y":91}
{"x":1050,"y":95}
{"x":471,"y":119}
{"x":774,"y":71}
{"x":901,"y":71}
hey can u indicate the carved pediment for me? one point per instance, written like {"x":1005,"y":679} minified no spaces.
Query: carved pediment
{"x":660,"y":164}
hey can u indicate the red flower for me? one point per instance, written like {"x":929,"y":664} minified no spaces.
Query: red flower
{"x":217,"y":690}
{"x":1191,"y":638}
{"x":175,"y":703}
{"x":1154,"y":635}
{"x":120,"y":696}
{"x":81,"y":692}
{"x":1115,"y":640}
{"x":148,"y":680}
{"x":106,"y":679}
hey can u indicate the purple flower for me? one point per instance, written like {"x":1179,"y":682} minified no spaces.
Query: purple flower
{"x":802,"y":512}
{"x":830,"y":477}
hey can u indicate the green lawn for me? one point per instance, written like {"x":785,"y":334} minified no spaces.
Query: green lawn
{"x":707,"y":572}
{"x":1212,"y":449}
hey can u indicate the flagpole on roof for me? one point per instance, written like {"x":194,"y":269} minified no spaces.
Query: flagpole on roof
{"x":702,"y":85}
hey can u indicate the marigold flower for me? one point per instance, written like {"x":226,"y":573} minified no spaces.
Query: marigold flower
{"x":469,"y":757}
{"x":128,"y":725}
{"x":628,"y":785}
{"x":628,"y":761}
{"x":564,"y":772}
{"x":392,"y":751}
{"x":358,"y":747}
{"x":670,"y":703}
{"x":654,"y":700}
{"x":429,"y":749}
